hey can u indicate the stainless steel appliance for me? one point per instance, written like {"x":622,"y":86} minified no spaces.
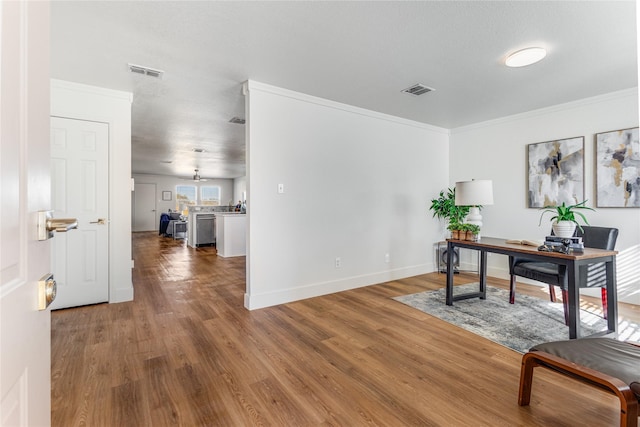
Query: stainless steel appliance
{"x":205,"y":230}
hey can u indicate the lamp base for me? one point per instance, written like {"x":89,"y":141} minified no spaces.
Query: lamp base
{"x":474,"y":216}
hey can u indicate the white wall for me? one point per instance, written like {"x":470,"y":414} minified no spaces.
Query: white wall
{"x":169,"y":183}
{"x":239,"y":188}
{"x":74,"y":100}
{"x":496,"y":150}
{"x":357,"y":185}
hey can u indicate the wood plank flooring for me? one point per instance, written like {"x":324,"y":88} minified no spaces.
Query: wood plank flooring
{"x":187,"y":353}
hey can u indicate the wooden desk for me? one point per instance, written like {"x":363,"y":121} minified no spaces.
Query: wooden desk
{"x":571,"y":261}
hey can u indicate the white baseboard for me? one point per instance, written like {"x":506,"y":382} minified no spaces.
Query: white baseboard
{"x":281,"y":296}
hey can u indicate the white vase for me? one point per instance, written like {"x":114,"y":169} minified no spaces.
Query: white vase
{"x":564,"y":228}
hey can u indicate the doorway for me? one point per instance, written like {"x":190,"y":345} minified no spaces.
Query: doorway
{"x":144,"y":207}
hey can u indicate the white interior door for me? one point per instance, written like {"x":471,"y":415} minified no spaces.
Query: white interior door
{"x":80,"y":184}
{"x":144,"y":207}
{"x":25,"y":331}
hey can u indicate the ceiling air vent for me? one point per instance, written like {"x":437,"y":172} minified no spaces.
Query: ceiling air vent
{"x":418,"y":89}
{"x":198,"y":150}
{"x":237,"y":120}
{"x":146,"y":71}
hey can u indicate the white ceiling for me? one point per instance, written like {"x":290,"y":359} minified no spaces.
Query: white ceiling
{"x":359,"y":53}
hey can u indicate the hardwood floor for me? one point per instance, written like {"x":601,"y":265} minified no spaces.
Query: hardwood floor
{"x":187,"y":353}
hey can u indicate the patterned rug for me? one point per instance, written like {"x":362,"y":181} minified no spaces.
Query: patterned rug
{"x":519,"y":326}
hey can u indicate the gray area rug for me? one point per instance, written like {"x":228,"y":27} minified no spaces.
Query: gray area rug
{"x":519,"y":326}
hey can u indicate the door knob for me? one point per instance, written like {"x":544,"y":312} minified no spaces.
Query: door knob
{"x":100,"y":221}
{"x":47,"y":224}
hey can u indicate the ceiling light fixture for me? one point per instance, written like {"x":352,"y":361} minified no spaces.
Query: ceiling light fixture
{"x":525,"y":57}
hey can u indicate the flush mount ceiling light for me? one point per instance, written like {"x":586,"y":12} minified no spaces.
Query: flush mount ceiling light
{"x":525,"y":57}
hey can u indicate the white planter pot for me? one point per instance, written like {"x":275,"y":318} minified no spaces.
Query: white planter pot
{"x":564,"y":228}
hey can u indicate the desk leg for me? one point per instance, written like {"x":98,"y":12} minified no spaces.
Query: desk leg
{"x":573,"y":292}
{"x":612,"y":297}
{"x":449,"y":290}
{"x":483,"y":274}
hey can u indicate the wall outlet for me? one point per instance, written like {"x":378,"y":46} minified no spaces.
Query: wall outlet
{"x":387,"y":258}
{"x":280,"y":188}
{"x":338,"y":262}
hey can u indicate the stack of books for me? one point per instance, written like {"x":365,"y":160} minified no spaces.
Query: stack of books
{"x":575,"y":243}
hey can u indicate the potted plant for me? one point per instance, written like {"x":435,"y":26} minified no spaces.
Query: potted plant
{"x":444,"y":207}
{"x":565,"y":218}
{"x":472,"y":231}
{"x":456,"y":230}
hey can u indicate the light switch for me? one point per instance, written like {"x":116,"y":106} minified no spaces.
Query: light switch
{"x":280,"y":188}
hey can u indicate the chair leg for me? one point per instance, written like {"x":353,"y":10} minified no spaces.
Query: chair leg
{"x":512,"y":289}
{"x":565,"y":305}
{"x":603,"y":292}
{"x":526,"y":378}
{"x":552,"y":293}
{"x":628,"y":413}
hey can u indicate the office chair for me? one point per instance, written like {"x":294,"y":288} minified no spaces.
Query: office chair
{"x":591,"y":275}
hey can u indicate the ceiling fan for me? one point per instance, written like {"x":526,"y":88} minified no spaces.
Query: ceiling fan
{"x":196,"y":177}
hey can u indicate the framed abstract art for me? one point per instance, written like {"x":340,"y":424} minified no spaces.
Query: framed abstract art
{"x":555,"y":172}
{"x":618,"y":169}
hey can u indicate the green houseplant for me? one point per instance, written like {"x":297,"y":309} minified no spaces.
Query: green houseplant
{"x":564,"y":221}
{"x":444,"y":207}
{"x":471,"y":230}
{"x":456,"y":230}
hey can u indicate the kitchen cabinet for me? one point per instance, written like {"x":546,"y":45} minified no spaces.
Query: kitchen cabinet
{"x":231,"y":234}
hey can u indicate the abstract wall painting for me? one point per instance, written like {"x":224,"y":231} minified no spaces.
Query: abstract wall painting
{"x":618,"y":169}
{"x":556,"y":172}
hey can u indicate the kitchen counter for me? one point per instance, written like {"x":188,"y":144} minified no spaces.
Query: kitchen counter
{"x":231,"y":234}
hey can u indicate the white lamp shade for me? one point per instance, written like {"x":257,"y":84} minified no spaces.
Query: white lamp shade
{"x":474,"y":193}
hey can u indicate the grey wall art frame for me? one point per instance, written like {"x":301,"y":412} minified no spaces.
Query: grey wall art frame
{"x":555,"y":172}
{"x":166,"y":195}
{"x":618,"y":169}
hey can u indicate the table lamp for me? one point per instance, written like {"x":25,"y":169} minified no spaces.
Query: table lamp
{"x":474,"y":193}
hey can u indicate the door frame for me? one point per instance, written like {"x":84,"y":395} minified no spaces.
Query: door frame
{"x":90,"y":103}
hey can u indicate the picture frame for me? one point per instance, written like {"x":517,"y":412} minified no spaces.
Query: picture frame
{"x":555,"y":172}
{"x":166,"y":196}
{"x":618,"y":169}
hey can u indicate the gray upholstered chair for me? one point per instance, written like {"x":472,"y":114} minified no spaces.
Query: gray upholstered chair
{"x":592,"y":275}
{"x":602,"y":362}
